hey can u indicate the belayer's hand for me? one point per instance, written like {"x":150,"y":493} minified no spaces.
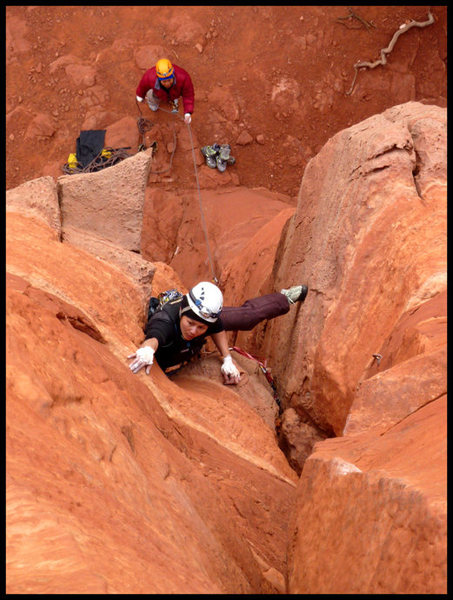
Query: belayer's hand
{"x":188,"y":118}
{"x":230,"y":373}
{"x":143,"y":358}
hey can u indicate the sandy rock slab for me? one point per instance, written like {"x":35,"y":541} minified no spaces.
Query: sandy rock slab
{"x":369,"y":237}
{"x":123,"y":483}
{"x":108,"y":203}
{"x":38,"y":197}
{"x":129,"y":263}
{"x":371,"y":512}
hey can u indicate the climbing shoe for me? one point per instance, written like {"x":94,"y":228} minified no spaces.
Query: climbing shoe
{"x":297,"y":293}
{"x":221,"y":164}
{"x":209,"y":151}
{"x":224,"y":152}
{"x":211,"y":162}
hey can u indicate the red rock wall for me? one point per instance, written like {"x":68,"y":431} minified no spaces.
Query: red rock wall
{"x":119,"y":483}
{"x":122,"y":483}
{"x":369,"y":239}
{"x":371,"y":513}
{"x":366,"y":357}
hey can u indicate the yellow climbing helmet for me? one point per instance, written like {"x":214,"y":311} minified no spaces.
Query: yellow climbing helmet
{"x":164,"y":69}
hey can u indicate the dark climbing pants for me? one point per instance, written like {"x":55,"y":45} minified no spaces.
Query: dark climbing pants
{"x":252,"y":312}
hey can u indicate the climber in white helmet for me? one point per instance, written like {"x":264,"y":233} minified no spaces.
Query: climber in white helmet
{"x":177,"y":332}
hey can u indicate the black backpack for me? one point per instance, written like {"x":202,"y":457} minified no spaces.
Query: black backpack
{"x":164,"y":297}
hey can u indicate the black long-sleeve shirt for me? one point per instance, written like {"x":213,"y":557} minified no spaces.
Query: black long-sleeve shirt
{"x":173,"y":349}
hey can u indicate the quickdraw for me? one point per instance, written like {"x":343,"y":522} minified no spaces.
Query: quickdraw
{"x":266,"y":372}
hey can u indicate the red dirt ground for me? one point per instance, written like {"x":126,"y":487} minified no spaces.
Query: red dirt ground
{"x":236,"y":55}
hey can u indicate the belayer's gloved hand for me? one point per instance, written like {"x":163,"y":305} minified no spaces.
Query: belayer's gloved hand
{"x":143,"y":358}
{"x":188,"y":118}
{"x":230,"y":373}
{"x":139,"y":99}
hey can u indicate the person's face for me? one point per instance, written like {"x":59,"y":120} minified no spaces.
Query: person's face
{"x":191,"y":329}
{"x":167,"y":83}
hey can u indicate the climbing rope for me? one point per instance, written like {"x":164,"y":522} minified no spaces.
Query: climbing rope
{"x":106,"y":158}
{"x":203,"y":222}
{"x":143,"y":126}
{"x":265,"y":371}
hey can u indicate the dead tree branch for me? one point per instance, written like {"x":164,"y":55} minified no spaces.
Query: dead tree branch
{"x":352,"y":15}
{"x":383,"y":60}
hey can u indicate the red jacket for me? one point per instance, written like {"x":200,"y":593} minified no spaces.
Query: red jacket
{"x":181,"y":87}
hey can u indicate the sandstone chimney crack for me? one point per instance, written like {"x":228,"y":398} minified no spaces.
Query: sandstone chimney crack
{"x":415,"y":174}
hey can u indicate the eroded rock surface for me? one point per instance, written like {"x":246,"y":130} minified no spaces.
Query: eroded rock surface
{"x":369,"y":238}
{"x":122,"y":483}
{"x":108,"y":203}
{"x":118,"y":482}
{"x":366,"y":356}
{"x":371,"y":512}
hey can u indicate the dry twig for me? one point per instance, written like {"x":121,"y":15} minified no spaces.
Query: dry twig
{"x":352,"y":15}
{"x":383,"y":60}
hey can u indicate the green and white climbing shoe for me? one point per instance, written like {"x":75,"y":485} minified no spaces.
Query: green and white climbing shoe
{"x":221,"y":164}
{"x":296,"y":293}
{"x":208,"y":151}
{"x":224,"y":152}
{"x":211,"y":162}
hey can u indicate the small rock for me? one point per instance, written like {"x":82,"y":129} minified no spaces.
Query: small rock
{"x":11,"y":137}
{"x":244,"y":138}
{"x":199,"y":47}
{"x":260,"y":138}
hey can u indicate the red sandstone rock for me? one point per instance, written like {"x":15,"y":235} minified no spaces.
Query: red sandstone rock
{"x":109,"y":202}
{"x":123,"y":134}
{"x":173,"y":230}
{"x":158,"y":467}
{"x":119,"y":482}
{"x":371,"y":511}
{"x":369,"y":239}
{"x":38,"y":197}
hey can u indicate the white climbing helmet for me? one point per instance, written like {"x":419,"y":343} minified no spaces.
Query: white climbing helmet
{"x":206,"y":301}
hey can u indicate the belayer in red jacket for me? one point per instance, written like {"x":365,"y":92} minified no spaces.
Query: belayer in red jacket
{"x":167,"y":82}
